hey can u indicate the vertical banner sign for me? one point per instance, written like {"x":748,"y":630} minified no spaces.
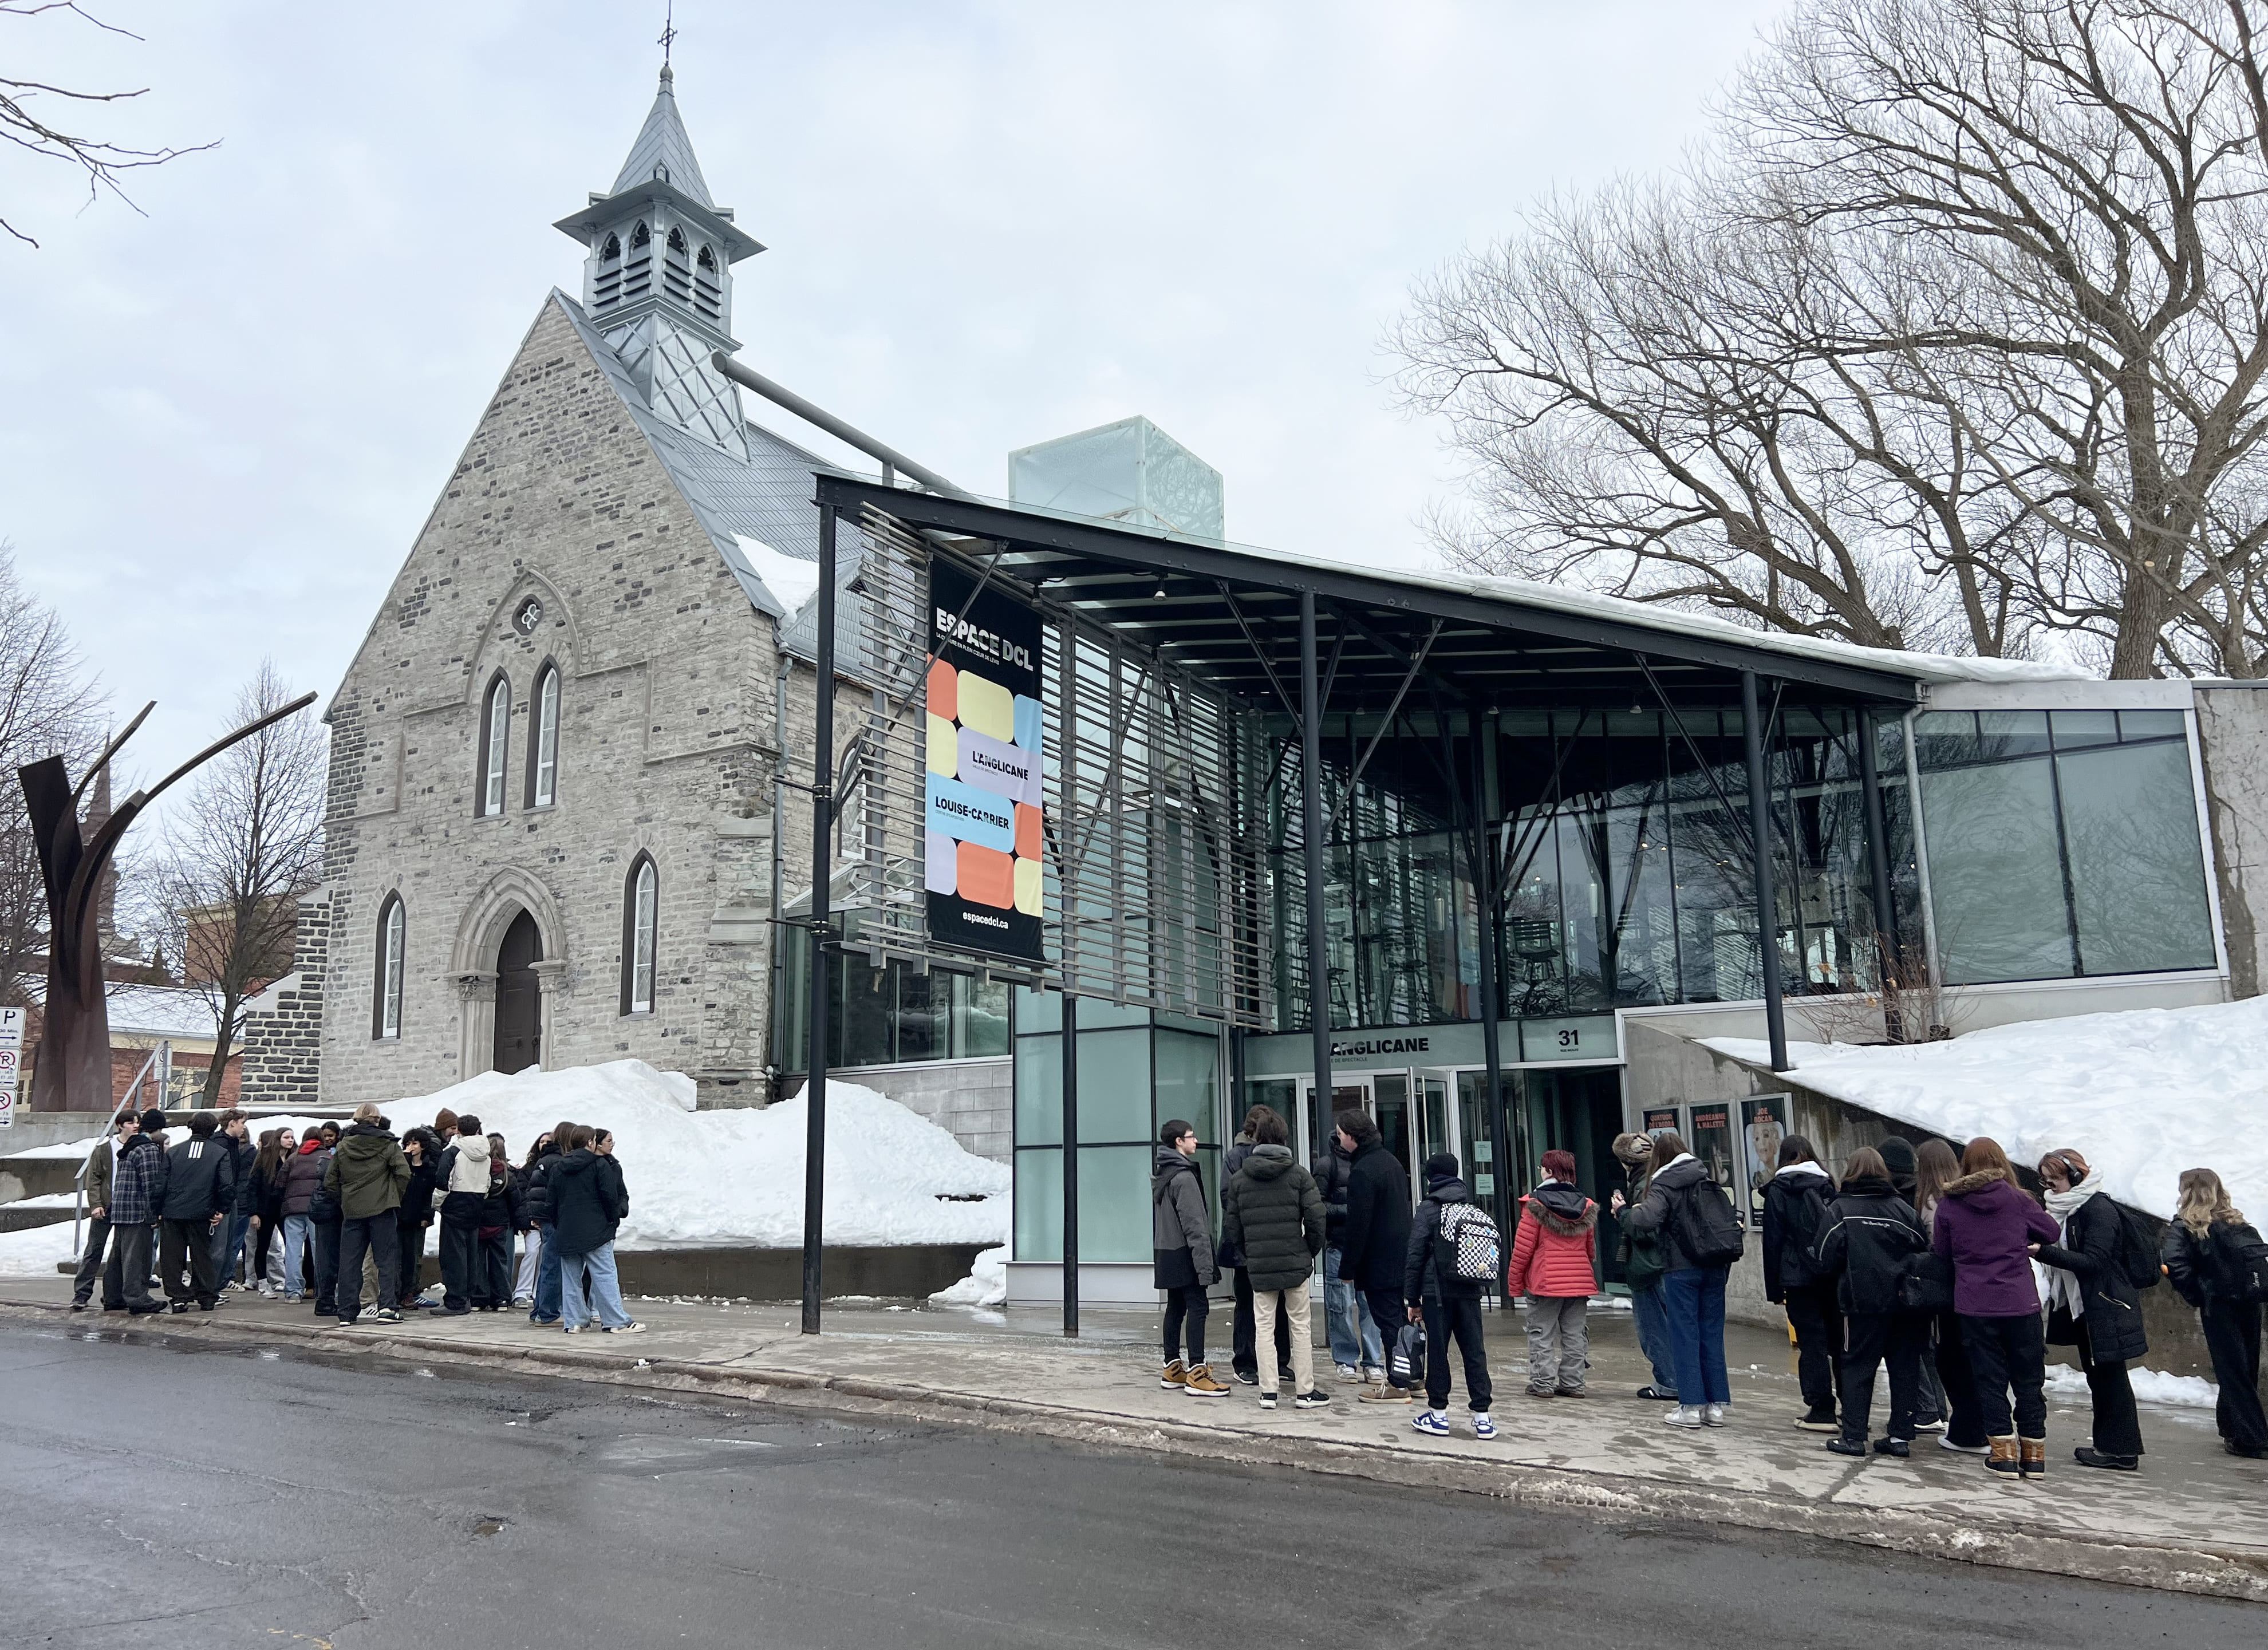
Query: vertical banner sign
{"x":11,"y":1061}
{"x":1763,"y":1126}
{"x":982,"y":827}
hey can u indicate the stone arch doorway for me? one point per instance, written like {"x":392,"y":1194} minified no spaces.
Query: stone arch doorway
{"x":520,"y":997}
{"x":513,"y":902}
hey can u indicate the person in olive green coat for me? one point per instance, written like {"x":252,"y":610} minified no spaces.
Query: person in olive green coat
{"x":1272,"y":1211}
{"x":368,"y":1175}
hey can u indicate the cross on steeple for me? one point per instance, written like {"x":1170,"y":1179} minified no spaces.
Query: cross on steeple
{"x":668,"y":29}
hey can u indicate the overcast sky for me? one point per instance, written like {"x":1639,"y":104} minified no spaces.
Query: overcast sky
{"x":223,"y":423}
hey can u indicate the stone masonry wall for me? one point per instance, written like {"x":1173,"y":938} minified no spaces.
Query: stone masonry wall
{"x":664,"y":748}
{"x":2233,"y":741}
{"x":282,"y":1060}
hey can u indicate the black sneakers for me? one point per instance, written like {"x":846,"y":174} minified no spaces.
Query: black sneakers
{"x":1312,"y":1400}
{"x":1819,"y":1421}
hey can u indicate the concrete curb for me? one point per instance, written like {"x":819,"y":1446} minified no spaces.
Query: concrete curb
{"x":2176,"y":1567}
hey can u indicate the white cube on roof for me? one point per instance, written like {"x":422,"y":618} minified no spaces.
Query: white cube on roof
{"x":1130,"y":472}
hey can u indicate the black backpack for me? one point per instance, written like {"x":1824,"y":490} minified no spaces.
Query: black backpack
{"x":2137,"y":1249}
{"x":1706,"y":1230}
{"x":2239,"y":1262}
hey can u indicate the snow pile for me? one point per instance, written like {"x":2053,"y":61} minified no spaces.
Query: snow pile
{"x":2142,"y":1095}
{"x":986,"y":1284}
{"x":706,"y":1179}
{"x":2151,"y":1386}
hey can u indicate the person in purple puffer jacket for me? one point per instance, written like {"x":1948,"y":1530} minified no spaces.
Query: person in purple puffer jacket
{"x":1985,"y":1225}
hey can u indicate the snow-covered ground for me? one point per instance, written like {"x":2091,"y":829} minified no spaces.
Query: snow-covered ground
{"x":2143,"y":1094}
{"x":986,"y":1284}
{"x":705,"y":1178}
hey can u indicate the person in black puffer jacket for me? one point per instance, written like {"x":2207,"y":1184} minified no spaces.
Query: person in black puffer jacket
{"x":1376,"y":1240}
{"x":424,"y":1149}
{"x":1870,"y":1234}
{"x":543,"y":1309}
{"x":1244,"y":1359}
{"x":2208,"y":1250}
{"x":1357,"y":1349}
{"x":503,"y":1212}
{"x":589,"y":1202}
{"x":1272,"y":1214}
{"x":1795,"y":1217}
{"x":230,"y":1238}
{"x":2091,"y":1305}
{"x":1447,"y":1305}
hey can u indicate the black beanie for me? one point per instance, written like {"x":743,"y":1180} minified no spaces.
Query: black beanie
{"x":1441,"y":1165}
{"x":1897,"y":1155}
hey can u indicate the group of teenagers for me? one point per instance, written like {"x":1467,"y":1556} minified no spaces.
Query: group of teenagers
{"x":343,"y":1215}
{"x":1946,"y":1268}
{"x":1418,"y":1275}
{"x":1938,"y":1265}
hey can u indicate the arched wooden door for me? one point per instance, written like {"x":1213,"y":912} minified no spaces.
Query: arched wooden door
{"x":520,"y":997}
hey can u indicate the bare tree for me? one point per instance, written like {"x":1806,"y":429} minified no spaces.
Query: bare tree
{"x":239,"y":852}
{"x":1958,"y":338}
{"x":48,"y":707}
{"x":102,"y":162}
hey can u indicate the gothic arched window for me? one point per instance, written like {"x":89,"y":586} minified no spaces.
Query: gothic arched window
{"x":677,"y":242}
{"x":707,"y":260}
{"x":543,"y":739}
{"x":640,"y":236}
{"x":385,"y":977}
{"x":641,"y":918}
{"x":495,"y":739}
{"x":612,"y":250}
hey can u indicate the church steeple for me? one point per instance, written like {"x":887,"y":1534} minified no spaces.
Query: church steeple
{"x":657,"y":279}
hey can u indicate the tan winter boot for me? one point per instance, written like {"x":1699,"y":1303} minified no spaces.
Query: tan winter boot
{"x":1174,"y":1377}
{"x":2035,"y":1459}
{"x":2003,"y":1459}
{"x":1199,"y":1383}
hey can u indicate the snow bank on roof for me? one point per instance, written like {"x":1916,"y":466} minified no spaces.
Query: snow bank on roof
{"x":736,"y":1177}
{"x":794,"y":582}
{"x":2142,"y":1095}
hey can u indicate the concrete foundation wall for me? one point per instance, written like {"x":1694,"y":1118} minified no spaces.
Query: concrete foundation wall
{"x":2233,"y":743}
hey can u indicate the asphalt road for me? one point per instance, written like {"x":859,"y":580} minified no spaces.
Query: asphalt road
{"x":156,"y":1495}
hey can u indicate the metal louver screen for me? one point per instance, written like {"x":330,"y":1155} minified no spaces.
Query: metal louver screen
{"x":1155,"y":885}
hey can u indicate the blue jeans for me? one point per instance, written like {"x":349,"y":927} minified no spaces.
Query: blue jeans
{"x":1694,"y":1296}
{"x":296,"y":1229}
{"x":1653,"y":1316}
{"x":546,"y":1280}
{"x":1343,"y":1308}
{"x":606,"y":1288}
{"x":228,"y":1245}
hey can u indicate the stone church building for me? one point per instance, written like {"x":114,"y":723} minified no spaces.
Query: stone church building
{"x":551,"y":803}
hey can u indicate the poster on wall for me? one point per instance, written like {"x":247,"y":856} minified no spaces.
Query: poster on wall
{"x":984,"y":758}
{"x":1763,"y":1126}
{"x":1711,"y":1141}
{"x":1661,"y":1117}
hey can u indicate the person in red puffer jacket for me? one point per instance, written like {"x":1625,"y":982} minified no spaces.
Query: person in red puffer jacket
{"x":1555,"y":1258}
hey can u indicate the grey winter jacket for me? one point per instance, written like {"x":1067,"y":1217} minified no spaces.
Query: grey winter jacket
{"x":1272,"y":1212}
{"x":1178,"y":1220}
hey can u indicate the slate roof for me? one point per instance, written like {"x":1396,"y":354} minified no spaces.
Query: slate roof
{"x":661,"y":141}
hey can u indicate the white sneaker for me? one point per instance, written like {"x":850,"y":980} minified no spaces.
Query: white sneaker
{"x":1945,"y":1441}
{"x":1715,"y":1414}
{"x":1349,"y":1372}
{"x":1374,"y":1374}
{"x":1687,"y":1415}
{"x":632,"y":1328}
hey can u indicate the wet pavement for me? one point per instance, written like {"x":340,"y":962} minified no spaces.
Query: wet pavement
{"x":176,"y":1486}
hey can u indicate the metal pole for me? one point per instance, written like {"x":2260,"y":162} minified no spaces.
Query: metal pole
{"x":1491,"y":1034}
{"x":822,"y":828}
{"x":1071,"y":1164}
{"x":1311,"y":815}
{"x":1878,"y":834}
{"x":1760,"y":836}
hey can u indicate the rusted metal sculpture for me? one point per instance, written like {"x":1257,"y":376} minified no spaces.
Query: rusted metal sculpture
{"x":74,"y":1065}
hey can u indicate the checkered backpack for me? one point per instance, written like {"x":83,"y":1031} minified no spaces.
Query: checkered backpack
{"x":1475,"y":1247}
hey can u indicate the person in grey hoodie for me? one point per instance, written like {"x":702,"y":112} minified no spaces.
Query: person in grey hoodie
{"x":1181,"y":1234}
{"x":1273,"y":1213}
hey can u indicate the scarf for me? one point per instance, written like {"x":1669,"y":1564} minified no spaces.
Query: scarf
{"x":2063,"y":1288}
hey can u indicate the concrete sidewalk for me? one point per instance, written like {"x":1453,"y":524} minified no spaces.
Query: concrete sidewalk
{"x":2193,"y":1519}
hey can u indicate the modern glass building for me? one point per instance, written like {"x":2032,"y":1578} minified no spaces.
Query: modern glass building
{"x":1442,"y":848}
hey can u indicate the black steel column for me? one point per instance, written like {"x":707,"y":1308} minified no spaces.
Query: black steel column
{"x":1760,"y":836}
{"x":1491,"y":1007}
{"x":822,"y":832}
{"x":1311,"y":815}
{"x":1878,"y":834}
{"x":1070,"y":1163}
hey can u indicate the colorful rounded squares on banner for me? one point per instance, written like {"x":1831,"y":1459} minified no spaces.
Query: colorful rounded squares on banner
{"x":943,"y":752}
{"x":942,"y":863}
{"x":986,"y":706}
{"x":986,"y":877}
{"x":1029,"y":725}
{"x":944,"y":697}
{"x":1029,"y":885}
{"x":1028,"y":838}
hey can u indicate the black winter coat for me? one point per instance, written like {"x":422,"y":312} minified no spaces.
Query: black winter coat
{"x":2203,"y":1268}
{"x":242,"y":1155}
{"x":1271,"y":1210}
{"x":1375,"y":1244}
{"x":2090,"y":1252}
{"x":1422,"y":1274}
{"x":539,"y":1186}
{"x":1869,"y":1234}
{"x":1227,"y":1253}
{"x":589,"y":1201}
{"x":200,"y":1179}
{"x":1795,"y":1219}
{"x":1332,"y":1171}
{"x":417,"y":1197}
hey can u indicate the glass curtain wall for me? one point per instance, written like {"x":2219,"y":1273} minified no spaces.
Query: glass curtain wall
{"x":1135,"y":1069}
{"x":2062,"y":843}
{"x":887,"y":1016}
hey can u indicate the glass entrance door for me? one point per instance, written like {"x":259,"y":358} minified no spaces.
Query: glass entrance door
{"x":1348,"y":1094}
